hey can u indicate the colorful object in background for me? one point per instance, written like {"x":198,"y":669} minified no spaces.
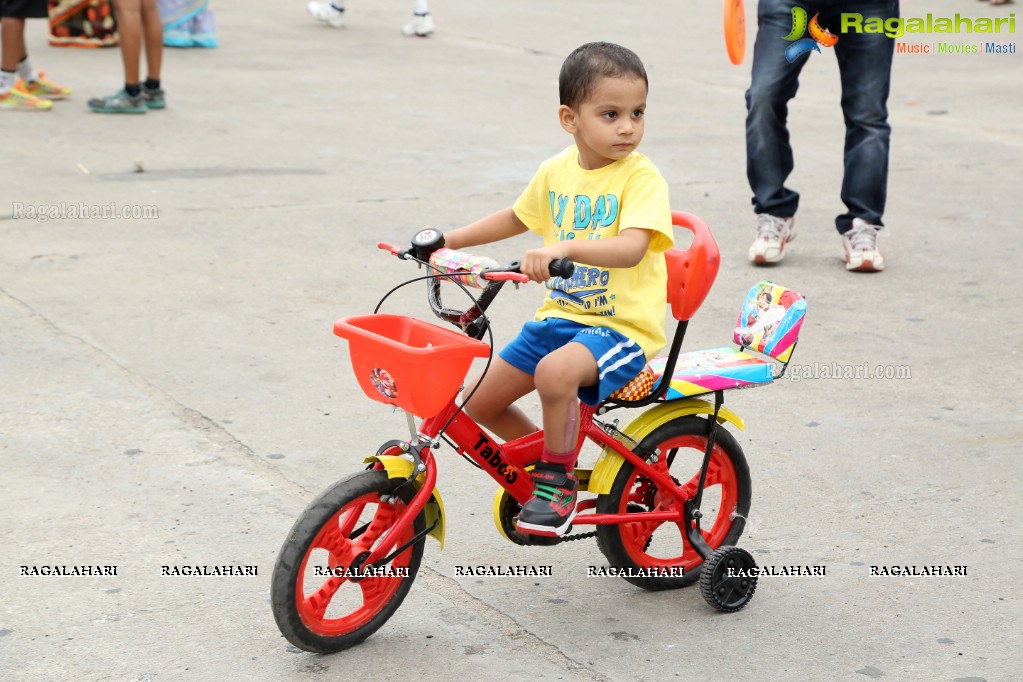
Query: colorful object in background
{"x":82,"y":23}
{"x":818,"y":35}
{"x":187,"y":23}
{"x":735,"y":30}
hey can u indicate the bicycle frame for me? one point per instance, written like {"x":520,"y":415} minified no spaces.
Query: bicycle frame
{"x":690,"y":275}
{"x":506,"y":463}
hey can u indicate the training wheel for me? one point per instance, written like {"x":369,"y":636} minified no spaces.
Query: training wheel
{"x":726,"y":581}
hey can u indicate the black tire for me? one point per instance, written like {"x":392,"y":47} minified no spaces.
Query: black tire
{"x":681,"y":443}
{"x":728,"y":593}
{"x":308,"y":623}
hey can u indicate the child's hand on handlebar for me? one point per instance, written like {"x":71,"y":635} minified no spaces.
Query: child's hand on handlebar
{"x":536,"y":262}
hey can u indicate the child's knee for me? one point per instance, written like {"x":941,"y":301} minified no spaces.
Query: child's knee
{"x":477,"y":412}
{"x":481,"y":408}
{"x":555,"y":381}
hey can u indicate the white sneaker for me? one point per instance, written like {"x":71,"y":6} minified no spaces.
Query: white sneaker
{"x":773,"y":233}
{"x":327,"y":13}
{"x":861,"y":252}
{"x":421,"y":25}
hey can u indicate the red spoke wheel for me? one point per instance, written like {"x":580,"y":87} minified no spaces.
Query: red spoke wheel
{"x":324,"y":600}
{"x":658,"y":545}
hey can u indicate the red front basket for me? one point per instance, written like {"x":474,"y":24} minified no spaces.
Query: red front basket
{"x":406,"y":362}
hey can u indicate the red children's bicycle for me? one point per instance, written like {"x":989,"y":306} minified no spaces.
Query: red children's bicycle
{"x":667,"y":497}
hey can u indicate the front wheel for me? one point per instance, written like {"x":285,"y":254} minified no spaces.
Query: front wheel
{"x":322,"y":600}
{"x":658,"y":545}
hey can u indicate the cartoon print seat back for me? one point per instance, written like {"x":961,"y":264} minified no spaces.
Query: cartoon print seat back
{"x":770,"y":320}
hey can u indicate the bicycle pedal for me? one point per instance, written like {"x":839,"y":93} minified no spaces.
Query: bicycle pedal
{"x":542,"y":540}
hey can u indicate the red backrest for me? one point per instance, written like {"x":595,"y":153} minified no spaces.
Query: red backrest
{"x":691,"y":272}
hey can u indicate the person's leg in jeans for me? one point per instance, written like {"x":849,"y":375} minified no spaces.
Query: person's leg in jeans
{"x":775,"y":81}
{"x":865,"y":65}
{"x":769,"y":158}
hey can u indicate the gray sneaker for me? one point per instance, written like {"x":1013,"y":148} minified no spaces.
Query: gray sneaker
{"x":119,"y":103}
{"x":860,"y":246}
{"x":154,"y":98}
{"x":773,"y":233}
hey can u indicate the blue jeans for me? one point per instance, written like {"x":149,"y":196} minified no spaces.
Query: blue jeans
{"x":865,"y":67}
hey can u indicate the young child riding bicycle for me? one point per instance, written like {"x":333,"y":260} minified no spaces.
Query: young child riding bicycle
{"x":605,"y":207}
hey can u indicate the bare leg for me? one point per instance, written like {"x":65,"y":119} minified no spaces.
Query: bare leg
{"x":550,"y":509}
{"x":153,"y":28}
{"x":129,"y":25}
{"x":558,"y":378}
{"x":12,"y":34}
{"x":492,"y":406}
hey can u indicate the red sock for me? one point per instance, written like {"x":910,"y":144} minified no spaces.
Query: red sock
{"x":565,"y":459}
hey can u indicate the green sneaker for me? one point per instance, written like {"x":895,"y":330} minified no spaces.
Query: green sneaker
{"x":551,"y":508}
{"x":154,"y":98}
{"x":119,"y":103}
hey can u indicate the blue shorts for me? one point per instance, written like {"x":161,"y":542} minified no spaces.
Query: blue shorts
{"x":619,"y":358}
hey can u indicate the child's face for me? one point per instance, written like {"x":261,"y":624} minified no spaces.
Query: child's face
{"x":608,"y":126}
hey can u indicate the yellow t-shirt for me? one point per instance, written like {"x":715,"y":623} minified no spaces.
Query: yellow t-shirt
{"x":564,"y":201}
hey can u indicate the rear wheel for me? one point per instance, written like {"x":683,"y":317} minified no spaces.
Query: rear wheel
{"x":659,"y":545}
{"x":321,"y":600}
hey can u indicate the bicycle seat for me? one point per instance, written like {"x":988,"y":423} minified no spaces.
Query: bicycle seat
{"x":702,"y":371}
{"x":769,"y":324}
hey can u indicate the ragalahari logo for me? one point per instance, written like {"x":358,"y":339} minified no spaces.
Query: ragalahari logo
{"x":818,"y":35}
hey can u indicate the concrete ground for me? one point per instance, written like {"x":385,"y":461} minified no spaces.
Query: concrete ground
{"x":172,"y":392}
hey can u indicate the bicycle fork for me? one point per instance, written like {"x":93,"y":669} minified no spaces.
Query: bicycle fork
{"x":422,"y":465}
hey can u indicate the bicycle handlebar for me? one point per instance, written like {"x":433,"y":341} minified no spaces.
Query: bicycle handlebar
{"x":472,"y":320}
{"x":563,"y":267}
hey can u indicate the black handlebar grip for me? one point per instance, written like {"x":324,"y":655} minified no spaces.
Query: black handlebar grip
{"x":561,"y":268}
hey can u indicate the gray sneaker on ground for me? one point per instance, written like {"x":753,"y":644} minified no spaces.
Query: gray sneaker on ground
{"x":860,"y":245}
{"x":154,"y":98}
{"x":773,"y":233}
{"x":119,"y":103}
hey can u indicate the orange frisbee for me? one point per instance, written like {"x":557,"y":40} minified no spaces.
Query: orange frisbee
{"x":735,"y":30}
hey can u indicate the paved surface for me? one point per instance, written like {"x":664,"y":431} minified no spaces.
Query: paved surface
{"x":171,"y":391}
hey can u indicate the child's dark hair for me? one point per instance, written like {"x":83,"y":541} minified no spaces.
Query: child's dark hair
{"x":589,"y":63}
